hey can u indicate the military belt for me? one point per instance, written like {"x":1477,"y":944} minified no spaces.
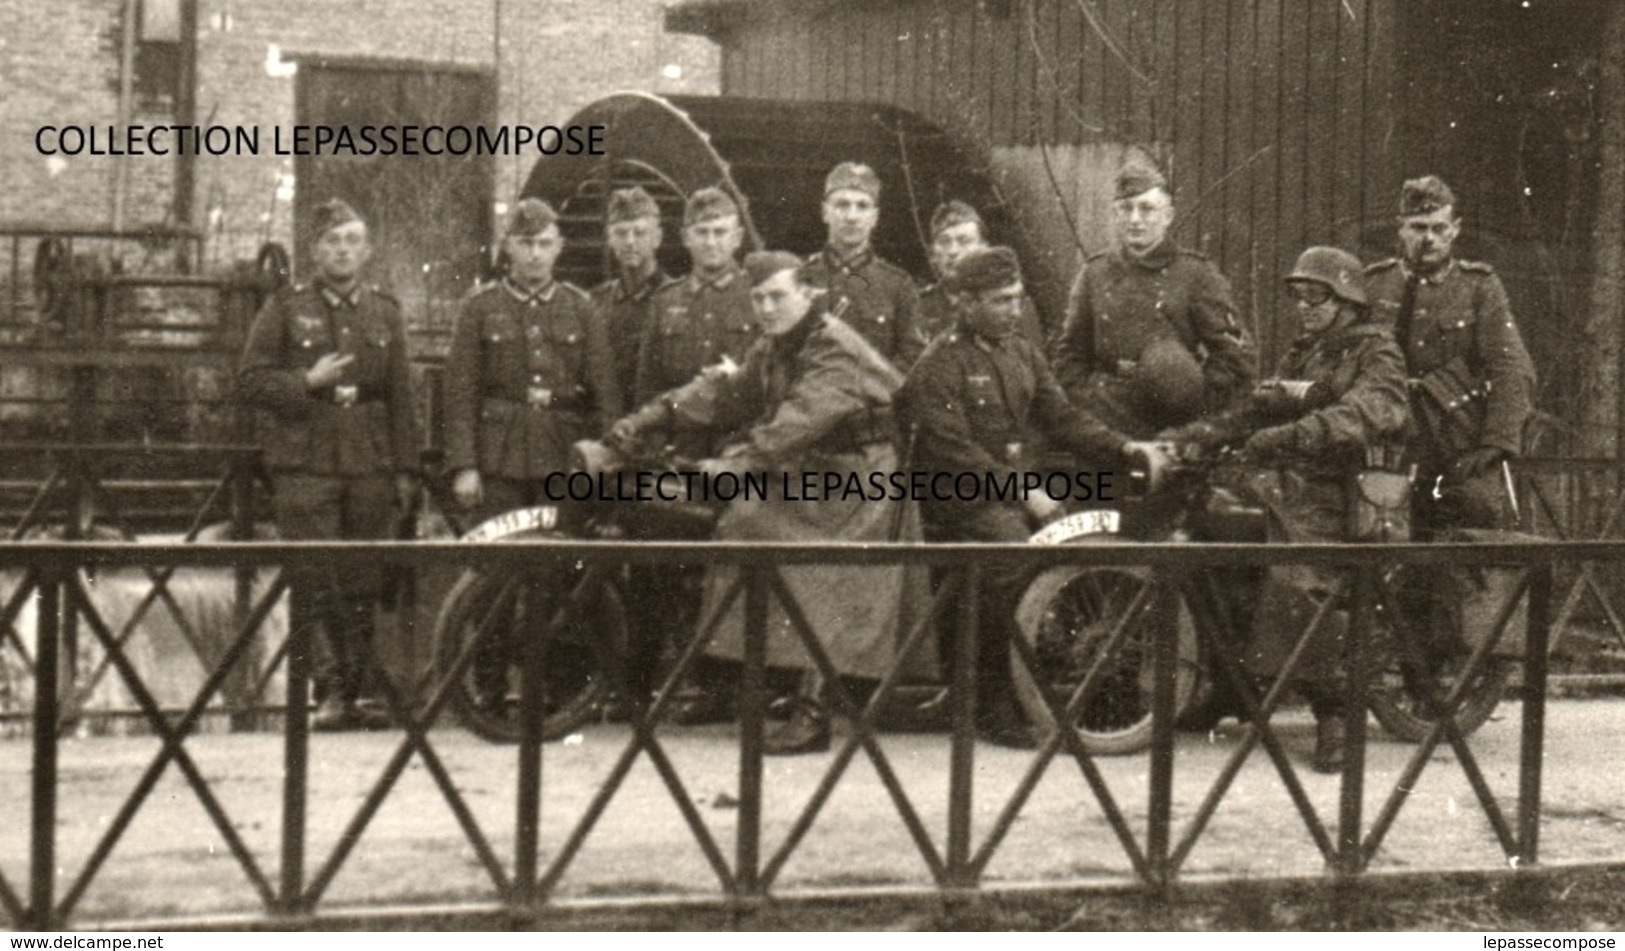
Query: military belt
{"x":541,"y":398}
{"x":352,"y":394}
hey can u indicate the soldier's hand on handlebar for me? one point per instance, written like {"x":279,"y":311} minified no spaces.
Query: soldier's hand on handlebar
{"x":1041,"y":507}
{"x":468,"y":488}
{"x":1270,"y":442}
{"x":622,"y":435}
{"x":1155,"y":457}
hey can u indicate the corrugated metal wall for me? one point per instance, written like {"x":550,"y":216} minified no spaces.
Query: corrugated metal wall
{"x":1274,"y":116}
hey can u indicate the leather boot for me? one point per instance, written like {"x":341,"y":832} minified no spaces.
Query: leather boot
{"x":1328,"y":745}
{"x":807,"y":731}
{"x":1000,"y":721}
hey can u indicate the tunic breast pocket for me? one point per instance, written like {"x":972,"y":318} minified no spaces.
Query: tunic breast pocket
{"x":677,"y":352}
{"x":1454,"y":337}
{"x":372,"y":357}
{"x":570,"y":353}
{"x":499,"y":341}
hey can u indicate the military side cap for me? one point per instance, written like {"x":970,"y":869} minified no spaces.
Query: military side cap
{"x":950,"y":213}
{"x":330,"y":214}
{"x":1424,"y":196}
{"x":761,"y":265}
{"x":629,"y":204}
{"x":708,"y":203}
{"x":984,"y":270}
{"x":853,"y":175}
{"x":1137,"y":179}
{"x":531,"y":216}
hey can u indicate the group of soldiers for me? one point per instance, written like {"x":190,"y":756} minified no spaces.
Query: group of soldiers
{"x":838,"y":362}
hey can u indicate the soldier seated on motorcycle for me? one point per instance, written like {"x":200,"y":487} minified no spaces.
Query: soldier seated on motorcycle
{"x":1336,"y":407}
{"x":811,"y":395}
{"x":978,"y":394}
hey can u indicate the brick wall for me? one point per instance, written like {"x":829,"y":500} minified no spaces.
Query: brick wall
{"x":59,"y":63}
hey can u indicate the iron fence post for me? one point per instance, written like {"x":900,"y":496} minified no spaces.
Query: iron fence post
{"x":295,"y":758}
{"x":528,"y":822}
{"x":42,"y":843}
{"x":1533,"y":741}
{"x":1350,"y":855}
{"x":752,"y":713}
{"x":1165,"y":658}
{"x":962,"y":757}
{"x":241,"y":687}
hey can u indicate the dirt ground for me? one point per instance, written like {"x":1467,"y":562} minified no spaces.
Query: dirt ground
{"x":172,"y":863}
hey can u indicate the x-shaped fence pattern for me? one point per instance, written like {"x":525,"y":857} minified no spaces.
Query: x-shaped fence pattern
{"x":56,"y":576}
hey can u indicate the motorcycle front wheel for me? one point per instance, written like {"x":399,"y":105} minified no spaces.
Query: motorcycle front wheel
{"x":489,"y":614}
{"x":1068,"y":615}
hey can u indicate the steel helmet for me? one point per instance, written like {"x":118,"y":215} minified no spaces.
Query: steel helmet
{"x":1335,"y":268}
{"x":1167,"y":384}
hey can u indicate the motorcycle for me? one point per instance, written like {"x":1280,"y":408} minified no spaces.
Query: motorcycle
{"x":579,"y":621}
{"x":1092,"y":627}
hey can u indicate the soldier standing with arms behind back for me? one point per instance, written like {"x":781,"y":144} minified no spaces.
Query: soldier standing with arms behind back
{"x":327,"y":363}
{"x":1471,"y":380}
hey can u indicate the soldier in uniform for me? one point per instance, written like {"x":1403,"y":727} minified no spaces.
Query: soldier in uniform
{"x":957,"y":230}
{"x":528,"y":373}
{"x":812,"y":395}
{"x":1145,"y":292}
{"x":976,"y":396}
{"x":632,"y":232}
{"x":879,"y":298}
{"x":326,"y":362}
{"x":1471,"y":378}
{"x":1337,"y":406}
{"x":704,"y":320}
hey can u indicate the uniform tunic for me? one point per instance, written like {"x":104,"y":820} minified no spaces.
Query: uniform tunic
{"x":1361,"y":373}
{"x":693,"y":323}
{"x":1120,"y":303}
{"x":624,"y":312}
{"x":528,"y":373}
{"x":881,"y":301}
{"x":817,"y":399}
{"x":1462,"y":346}
{"x":332,"y":452}
{"x":974,"y":404}
{"x":316,"y":433}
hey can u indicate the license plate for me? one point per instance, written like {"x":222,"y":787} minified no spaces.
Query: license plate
{"x":538,"y":518}
{"x":1076,"y":525}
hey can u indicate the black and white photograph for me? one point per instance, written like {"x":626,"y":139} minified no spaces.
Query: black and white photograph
{"x":812,"y":465}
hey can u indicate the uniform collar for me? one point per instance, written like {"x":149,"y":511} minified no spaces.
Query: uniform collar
{"x":525,"y":296}
{"x":1432,"y":277}
{"x":718,"y":283}
{"x":335,"y":300}
{"x":1155,"y":259}
{"x":640,"y":291}
{"x":849,"y":264}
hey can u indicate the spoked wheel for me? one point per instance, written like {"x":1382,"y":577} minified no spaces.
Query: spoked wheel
{"x":1069,"y":615}
{"x":494,"y":612}
{"x":1419,"y":654}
